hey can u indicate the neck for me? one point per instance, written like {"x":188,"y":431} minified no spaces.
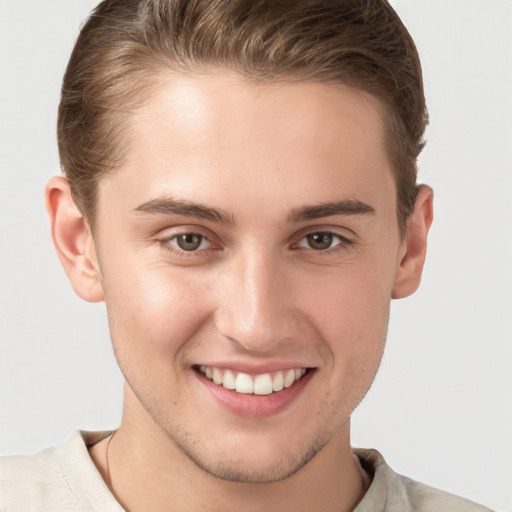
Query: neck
{"x":166,"y":479}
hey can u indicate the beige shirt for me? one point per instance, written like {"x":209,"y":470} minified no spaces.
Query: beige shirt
{"x":65,"y":479}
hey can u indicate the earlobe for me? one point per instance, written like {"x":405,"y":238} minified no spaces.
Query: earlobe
{"x":408,"y":276}
{"x":73,"y":240}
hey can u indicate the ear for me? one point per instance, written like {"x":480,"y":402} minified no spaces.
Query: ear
{"x":73,"y":241}
{"x":414,"y":246}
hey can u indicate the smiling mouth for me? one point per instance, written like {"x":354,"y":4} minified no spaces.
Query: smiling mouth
{"x":262,"y":384}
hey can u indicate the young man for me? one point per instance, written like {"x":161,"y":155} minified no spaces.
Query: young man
{"x":241,"y":192}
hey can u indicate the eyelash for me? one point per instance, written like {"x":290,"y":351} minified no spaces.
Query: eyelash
{"x":166,"y":244}
{"x":343,"y":245}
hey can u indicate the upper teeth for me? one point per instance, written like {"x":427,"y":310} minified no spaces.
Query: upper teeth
{"x":262,"y":384}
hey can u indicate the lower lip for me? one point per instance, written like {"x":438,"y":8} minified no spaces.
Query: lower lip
{"x":256,"y":406}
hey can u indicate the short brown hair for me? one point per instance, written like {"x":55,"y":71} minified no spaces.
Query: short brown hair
{"x":125,"y":45}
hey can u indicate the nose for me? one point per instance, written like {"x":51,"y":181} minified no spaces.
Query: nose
{"x":255,"y":304}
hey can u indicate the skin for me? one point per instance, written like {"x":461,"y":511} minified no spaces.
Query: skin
{"x":256,"y":292}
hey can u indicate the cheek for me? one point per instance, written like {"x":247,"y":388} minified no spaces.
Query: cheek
{"x":356,"y":297}
{"x":152,"y":311}
{"x":351,"y":311}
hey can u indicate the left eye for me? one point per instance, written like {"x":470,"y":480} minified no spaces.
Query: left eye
{"x":189,"y":242}
{"x":321,"y":241}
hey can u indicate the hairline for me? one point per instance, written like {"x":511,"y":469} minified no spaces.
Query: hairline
{"x":161,"y":72}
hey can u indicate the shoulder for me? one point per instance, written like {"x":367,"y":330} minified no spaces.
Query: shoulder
{"x":429,"y":499}
{"x":50,"y":480}
{"x":391,"y":492}
{"x":29,"y":480}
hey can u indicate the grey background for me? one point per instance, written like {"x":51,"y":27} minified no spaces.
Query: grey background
{"x":441,"y":408}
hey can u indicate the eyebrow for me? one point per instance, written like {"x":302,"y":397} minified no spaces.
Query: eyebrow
{"x":170,"y":206}
{"x":345,"y":207}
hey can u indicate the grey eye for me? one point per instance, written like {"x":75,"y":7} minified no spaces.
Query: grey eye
{"x":189,"y":241}
{"x":320,"y":241}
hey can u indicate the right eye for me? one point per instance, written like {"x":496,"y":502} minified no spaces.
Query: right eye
{"x":189,"y":242}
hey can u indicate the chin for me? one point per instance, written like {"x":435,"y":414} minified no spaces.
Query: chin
{"x":262,"y":470}
{"x":250,"y":459}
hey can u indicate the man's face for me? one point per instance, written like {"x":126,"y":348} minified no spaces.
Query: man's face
{"x":251,"y":231}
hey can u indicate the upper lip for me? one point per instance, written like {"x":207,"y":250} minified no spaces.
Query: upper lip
{"x":255,"y":369}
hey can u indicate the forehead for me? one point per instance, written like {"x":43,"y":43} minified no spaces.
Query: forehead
{"x":237,"y":110}
{"x":225,"y":138}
